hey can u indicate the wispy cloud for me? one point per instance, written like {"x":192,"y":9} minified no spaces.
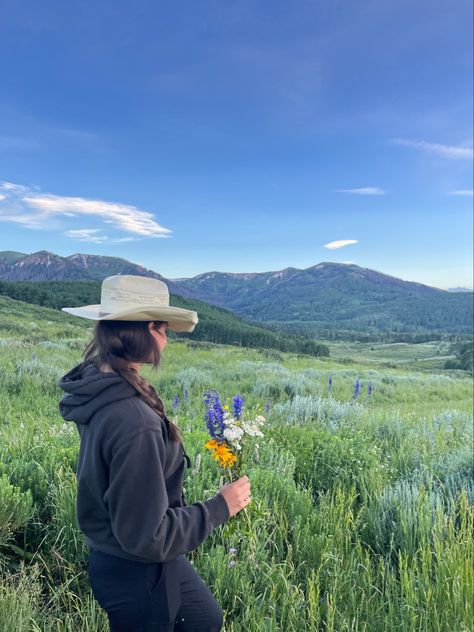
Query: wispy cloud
{"x":87,"y":234}
{"x":363,"y":191}
{"x":446,"y":151}
{"x":467,"y":192}
{"x":26,"y":206}
{"x":332,"y":245}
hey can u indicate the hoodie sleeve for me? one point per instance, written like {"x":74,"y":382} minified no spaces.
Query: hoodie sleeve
{"x":141,"y":519}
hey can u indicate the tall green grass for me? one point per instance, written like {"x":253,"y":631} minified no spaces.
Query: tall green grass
{"x":362,"y":513}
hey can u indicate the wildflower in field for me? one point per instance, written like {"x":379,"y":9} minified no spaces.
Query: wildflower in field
{"x":369,"y":389}
{"x":232,"y":552}
{"x":197,"y":464}
{"x":267,"y":407}
{"x":186,"y":395}
{"x":356,"y":390}
{"x":330,"y":384}
{"x":176,"y":402}
{"x":238,"y":404}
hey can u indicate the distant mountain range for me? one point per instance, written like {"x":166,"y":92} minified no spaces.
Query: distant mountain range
{"x":315,"y":301}
{"x":46,"y":266}
{"x":460,"y":289}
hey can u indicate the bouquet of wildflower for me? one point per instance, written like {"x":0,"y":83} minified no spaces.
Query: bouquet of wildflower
{"x":231,"y":435}
{"x":230,"y":432}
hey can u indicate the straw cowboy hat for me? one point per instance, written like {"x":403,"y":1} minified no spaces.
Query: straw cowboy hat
{"x":129,"y":297}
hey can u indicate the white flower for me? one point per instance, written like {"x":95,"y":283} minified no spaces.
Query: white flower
{"x":251,"y":430}
{"x":233,"y":433}
{"x":260,"y":419}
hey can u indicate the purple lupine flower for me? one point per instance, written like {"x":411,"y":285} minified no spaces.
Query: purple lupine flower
{"x":267,"y":407}
{"x":186,"y":395}
{"x":238,"y":405}
{"x":232,"y":552}
{"x":330,"y":384}
{"x":369,"y":389}
{"x":176,"y":402}
{"x":215,"y":414}
{"x":356,"y":390}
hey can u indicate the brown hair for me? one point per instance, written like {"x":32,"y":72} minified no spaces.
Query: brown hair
{"x":120,"y":342}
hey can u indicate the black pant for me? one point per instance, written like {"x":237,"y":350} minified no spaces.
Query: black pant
{"x":153,"y":596}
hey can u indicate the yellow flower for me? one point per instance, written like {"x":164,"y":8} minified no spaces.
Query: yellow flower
{"x":222,"y":454}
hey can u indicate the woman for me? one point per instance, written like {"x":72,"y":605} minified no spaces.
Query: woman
{"x":130,"y":502}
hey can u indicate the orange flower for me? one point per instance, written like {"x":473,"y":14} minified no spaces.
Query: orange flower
{"x":222,"y":454}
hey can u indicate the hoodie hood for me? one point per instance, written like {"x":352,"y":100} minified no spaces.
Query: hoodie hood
{"x":88,"y":389}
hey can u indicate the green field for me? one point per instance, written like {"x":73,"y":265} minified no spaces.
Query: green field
{"x":362,"y":510}
{"x":429,"y":356}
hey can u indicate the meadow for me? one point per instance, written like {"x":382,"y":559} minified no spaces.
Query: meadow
{"x":362,"y":512}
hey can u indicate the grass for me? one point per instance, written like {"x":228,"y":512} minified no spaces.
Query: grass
{"x":362,"y":511}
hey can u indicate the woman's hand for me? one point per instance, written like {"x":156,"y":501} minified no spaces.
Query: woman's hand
{"x":236,"y":494}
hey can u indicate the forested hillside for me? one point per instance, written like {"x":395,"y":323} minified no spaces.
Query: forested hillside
{"x":334,"y":297}
{"x":216,"y":325}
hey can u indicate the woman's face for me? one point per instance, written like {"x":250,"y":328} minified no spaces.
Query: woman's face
{"x":159,"y":334}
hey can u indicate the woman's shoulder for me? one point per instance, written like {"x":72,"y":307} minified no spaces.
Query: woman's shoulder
{"x":148,"y":419}
{"x":124,"y":419}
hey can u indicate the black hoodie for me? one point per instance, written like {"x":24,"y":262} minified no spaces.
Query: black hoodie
{"x":130,"y":499}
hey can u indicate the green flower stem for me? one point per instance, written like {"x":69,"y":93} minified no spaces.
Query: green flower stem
{"x":234,"y":475}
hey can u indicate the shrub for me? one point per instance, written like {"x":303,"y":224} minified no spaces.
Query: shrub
{"x":16,"y":508}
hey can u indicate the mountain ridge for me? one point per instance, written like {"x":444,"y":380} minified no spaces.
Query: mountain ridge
{"x":313,"y":301}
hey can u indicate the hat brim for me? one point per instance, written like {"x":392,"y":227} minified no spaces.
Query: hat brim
{"x":180,"y":320}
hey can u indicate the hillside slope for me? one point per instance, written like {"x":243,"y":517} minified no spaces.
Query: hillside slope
{"x":216,"y":325}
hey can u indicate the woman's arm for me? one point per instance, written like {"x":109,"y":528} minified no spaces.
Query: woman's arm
{"x":137,"y":501}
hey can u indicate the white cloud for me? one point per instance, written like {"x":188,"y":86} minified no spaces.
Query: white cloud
{"x":24,"y":205}
{"x":332,"y":245}
{"x":363,"y":191}
{"x":9,"y":186}
{"x":87,"y":234}
{"x":467,"y":192}
{"x":446,"y":151}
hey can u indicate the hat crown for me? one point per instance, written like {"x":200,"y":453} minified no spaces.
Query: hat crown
{"x":125,"y":291}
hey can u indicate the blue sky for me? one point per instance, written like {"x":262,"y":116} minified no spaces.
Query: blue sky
{"x":240,"y":136}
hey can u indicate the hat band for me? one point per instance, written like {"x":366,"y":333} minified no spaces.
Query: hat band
{"x":118,"y":299}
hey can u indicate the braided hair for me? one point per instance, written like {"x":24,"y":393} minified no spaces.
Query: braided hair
{"x":121,"y":342}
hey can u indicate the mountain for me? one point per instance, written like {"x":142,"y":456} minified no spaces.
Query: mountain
{"x":47,"y":266}
{"x":327,"y":299}
{"x":460,"y":289}
{"x":334,"y":296}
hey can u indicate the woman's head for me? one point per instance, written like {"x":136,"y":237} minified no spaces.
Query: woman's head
{"x":127,"y":342}
{"x":123,"y":344}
